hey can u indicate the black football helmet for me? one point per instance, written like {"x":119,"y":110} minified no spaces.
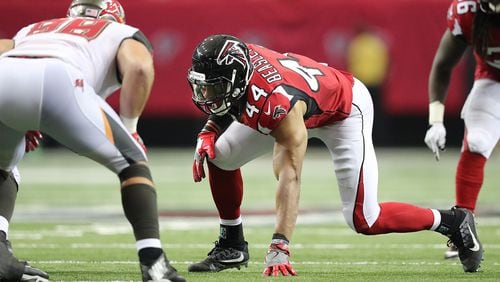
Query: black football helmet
{"x":490,"y":6}
{"x":219,"y":73}
{"x":99,"y":9}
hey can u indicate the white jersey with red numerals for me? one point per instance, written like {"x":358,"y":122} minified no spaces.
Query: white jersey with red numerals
{"x":280,"y":80}
{"x":93,"y":45}
{"x":461,"y":16}
{"x":54,"y":81}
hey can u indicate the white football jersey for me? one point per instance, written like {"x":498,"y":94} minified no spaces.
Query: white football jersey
{"x":88,"y":44}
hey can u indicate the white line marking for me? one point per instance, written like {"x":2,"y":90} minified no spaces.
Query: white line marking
{"x":126,"y":262}
{"x":257,"y":246}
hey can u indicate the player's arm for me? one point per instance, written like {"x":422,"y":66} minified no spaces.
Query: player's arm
{"x":450,"y":50}
{"x":448,"y":54}
{"x":135,"y":65}
{"x":6,"y":45}
{"x":289,"y":150}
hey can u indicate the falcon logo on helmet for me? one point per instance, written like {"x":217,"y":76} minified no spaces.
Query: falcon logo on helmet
{"x":98,"y":9}
{"x":232,"y":52}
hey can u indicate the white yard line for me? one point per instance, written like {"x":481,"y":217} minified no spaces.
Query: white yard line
{"x":258,"y":246}
{"x":127,"y":262}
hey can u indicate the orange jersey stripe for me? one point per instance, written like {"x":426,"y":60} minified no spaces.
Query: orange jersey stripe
{"x":107,"y":127}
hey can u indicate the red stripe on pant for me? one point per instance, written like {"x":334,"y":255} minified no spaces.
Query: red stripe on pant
{"x":394,"y":217}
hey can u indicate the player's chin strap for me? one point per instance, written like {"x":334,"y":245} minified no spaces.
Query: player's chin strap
{"x":139,"y":201}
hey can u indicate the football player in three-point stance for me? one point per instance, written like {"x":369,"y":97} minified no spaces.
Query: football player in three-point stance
{"x":54,"y":75}
{"x":257,"y":98}
{"x":474,"y":24}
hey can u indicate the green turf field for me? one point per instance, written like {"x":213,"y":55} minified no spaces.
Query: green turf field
{"x":69,"y":220}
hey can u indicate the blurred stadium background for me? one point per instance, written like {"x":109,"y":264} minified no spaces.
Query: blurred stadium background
{"x":408,"y":33}
{"x":66,"y":199}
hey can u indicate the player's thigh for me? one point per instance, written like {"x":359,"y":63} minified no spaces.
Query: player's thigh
{"x":12,"y":144}
{"x":82,"y":121}
{"x":346,"y":149}
{"x":240,"y":144}
{"x":481,"y":115}
{"x":350,"y":144}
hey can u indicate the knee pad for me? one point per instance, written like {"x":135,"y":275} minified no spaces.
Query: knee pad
{"x":9,"y":176}
{"x":135,"y":170}
{"x":4,"y":174}
{"x":480,"y":142}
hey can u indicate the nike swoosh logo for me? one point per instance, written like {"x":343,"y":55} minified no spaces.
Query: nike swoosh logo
{"x":476,"y":243}
{"x":268,"y":112}
{"x":238,"y":259}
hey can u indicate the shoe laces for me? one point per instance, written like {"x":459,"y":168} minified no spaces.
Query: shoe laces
{"x":219,"y":252}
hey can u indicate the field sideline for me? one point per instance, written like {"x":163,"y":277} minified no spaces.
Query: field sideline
{"x":69,"y":220}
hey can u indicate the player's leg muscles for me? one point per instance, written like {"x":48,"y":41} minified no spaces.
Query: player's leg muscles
{"x":139,"y":200}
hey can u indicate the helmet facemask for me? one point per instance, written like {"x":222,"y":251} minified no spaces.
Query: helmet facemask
{"x":213,"y":96}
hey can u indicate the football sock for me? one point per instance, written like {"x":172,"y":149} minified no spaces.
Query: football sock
{"x":148,"y":256}
{"x":8,"y":194}
{"x":469,"y":179}
{"x":227,"y":190}
{"x":139,"y":203}
{"x":450,"y":221}
{"x":395,"y":217}
{"x":232,"y":236}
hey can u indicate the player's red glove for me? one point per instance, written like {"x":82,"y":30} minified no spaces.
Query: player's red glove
{"x":139,"y":140}
{"x":33,"y":138}
{"x":205,"y":146}
{"x":277,"y":261}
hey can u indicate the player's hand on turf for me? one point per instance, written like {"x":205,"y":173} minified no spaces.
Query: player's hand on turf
{"x":435,"y":138}
{"x":33,"y":138}
{"x":277,"y":261}
{"x":205,"y":146}
{"x":138,"y":138}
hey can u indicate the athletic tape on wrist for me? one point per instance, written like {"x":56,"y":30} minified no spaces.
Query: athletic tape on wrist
{"x":436,"y":112}
{"x":130,"y":123}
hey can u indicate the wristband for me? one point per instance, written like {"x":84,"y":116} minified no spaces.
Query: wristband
{"x":130,"y":123}
{"x":436,"y":112}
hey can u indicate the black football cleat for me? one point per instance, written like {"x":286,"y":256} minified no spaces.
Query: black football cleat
{"x":451,"y":252}
{"x":160,"y":271}
{"x":220,"y":258}
{"x":32,"y":274}
{"x":11,"y":269}
{"x":470,"y":250}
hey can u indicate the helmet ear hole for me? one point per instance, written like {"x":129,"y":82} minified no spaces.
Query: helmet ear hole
{"x":222,"y":63}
